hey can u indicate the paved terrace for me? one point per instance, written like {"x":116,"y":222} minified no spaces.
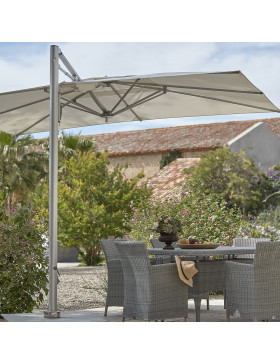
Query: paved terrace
{"x":217,"y":313}
{"x":78,"y":303}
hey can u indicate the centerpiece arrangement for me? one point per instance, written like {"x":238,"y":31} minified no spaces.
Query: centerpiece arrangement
{"x":193,"y":243}
{"x":168,"y":227}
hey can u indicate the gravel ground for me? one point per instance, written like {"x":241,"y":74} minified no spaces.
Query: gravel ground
{"x":80,"y":288}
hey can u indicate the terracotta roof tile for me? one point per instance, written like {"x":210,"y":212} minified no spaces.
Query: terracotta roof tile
{"x":185,"y":138}
{"x":170,"y":178}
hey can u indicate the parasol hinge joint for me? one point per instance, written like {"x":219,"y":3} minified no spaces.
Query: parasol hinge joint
{"x":106,"y":115}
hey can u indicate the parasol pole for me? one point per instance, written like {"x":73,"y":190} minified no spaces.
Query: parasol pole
{"x":53,"y":172}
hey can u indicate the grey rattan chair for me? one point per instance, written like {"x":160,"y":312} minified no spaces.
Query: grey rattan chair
{"x":210,"y":277}
{"x":247,"y":242}
{"x":151,"y":292}
{"x":158,"y":244}
{"x":115,"y":286}
{"x":253,"y":290}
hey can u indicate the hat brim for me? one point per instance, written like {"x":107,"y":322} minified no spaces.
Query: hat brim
{"x":183,"y":277}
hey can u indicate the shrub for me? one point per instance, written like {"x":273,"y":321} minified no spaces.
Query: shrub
{"x":91,"y":203}
{"x":273,"y":190}
{"x":205,"y":218}
{"x":231,"y":177}
{"x":267,"y":224}
{"x":210,"y":219}
{"x":23,"y":264}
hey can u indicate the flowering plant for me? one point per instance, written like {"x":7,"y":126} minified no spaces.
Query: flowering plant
{"x":23,"y":262}
{"x":167,"y":224}
{"x":195,"y":216}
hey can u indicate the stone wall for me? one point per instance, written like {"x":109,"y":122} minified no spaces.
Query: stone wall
{"x":147,"y":163}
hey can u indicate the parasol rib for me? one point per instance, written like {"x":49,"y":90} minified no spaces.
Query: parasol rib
{"x":89,"y":111}
{"x":122,"y":97}
{"x":81,"y":106}
{"x":98,"y":102}
{"x":150,"y":87}
{"x":43,"y":118}
{"x":29,"y":104}
{"x":66,"y":73}
{"x":221,"y":100}
{"x":143,"y":84}
{"x":130,"y":108}
{"x":37,"y":122}
{"x":137,"y":103}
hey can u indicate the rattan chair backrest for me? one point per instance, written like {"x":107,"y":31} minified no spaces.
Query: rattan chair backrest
{"x":134,"y":256}
{"x":267,"y":256}
{"x":267,"y":278}
{"x":109,"y":248}
{"x":248,"y":242}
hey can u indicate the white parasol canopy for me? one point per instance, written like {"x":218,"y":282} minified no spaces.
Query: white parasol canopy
{"x":117,"y":99}
{"x":132,"y":98}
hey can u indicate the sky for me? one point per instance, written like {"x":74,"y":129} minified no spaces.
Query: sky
{"x":26,"y":65}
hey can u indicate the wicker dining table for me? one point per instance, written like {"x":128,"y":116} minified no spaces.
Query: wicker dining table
{"x":228,"y":252}
{"x":211,"y":272}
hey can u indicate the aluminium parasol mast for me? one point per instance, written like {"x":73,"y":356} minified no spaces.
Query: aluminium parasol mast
{"x":55,"y":55}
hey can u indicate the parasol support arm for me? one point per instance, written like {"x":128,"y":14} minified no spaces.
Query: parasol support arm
{"x":68,"y":65}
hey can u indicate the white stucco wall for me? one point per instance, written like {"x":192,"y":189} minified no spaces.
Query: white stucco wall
{"x":259,"y":143}
{"x":146,"y":163}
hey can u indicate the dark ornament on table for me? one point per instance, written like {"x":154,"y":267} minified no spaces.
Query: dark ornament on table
{"x":192,"y":241}
{"x":168,"y":239}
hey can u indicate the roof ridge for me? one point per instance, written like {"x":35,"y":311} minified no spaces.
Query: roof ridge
{"x":183,"y":126}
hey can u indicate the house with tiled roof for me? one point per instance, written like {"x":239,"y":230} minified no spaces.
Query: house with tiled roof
{"x":169,"y":180}
{"x":143,"y":150}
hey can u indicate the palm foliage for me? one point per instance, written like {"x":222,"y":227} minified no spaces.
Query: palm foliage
{"x":21,"y":166}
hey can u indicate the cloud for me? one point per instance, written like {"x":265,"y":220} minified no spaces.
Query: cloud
{"x":26,"y":65}
{"x":259,"y":61}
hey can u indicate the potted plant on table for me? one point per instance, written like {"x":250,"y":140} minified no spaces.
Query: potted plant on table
{"x":168,"y":227}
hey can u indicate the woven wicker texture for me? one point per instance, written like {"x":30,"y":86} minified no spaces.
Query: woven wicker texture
{"x":220,"y":251}
{"x":247,"y":242}
{"x":210,"y":277}
{"x":152,"y":292}
{"x":115,"y":289}
{"x":253,"y":290}
{"x":158,"y":244}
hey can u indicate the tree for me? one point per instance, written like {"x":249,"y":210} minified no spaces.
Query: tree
{"x":21,"y":166}
{"x":91,"y":203}
{"x":68,"y":146}
{"x":231,"y":177}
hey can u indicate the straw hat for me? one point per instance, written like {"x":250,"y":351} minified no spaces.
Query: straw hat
{"x":186,"y":270}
